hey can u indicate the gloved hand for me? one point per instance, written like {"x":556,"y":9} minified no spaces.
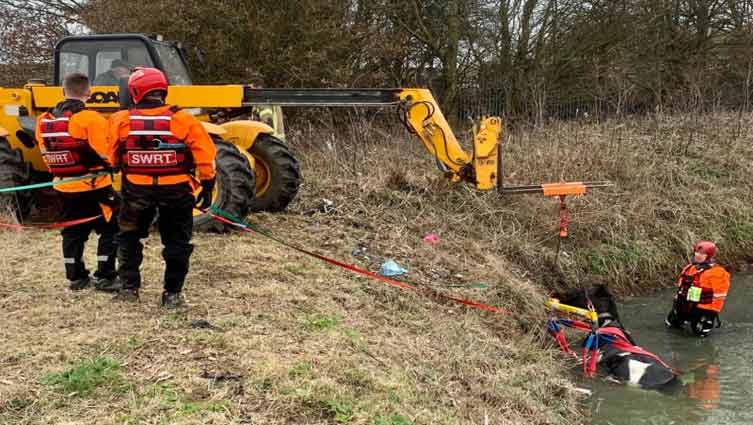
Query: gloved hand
{"x":111,"y":198}
{"x":205,"y":197}
{"x":707,"y":296}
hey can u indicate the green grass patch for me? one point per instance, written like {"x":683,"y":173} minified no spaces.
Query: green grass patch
{"x":709,"y":171}
{"x":617,"y":256}
{"x":320,"y":322}
{"x":357,"y":378}
{"x":393,"y":419}
{"x":175,"y":400}
{"x":336,"y":403}
{"x":212,"y":340}
{"x":87,"y":377}
{"x":191,"y":407}
{"x":302,"y":369}
{"x":341,"y":408}
{"x":297,"y":269}
{"x":175,"y":318}
{"x":354,"y":337}
{"x":134,"y":342}
{"x":263,"y":385}
{"x":18,"y":404}
{"x":597,"y":263}
{"x":739,"y":231}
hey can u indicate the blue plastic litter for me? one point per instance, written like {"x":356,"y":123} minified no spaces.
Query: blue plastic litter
{"x":391,"y":268}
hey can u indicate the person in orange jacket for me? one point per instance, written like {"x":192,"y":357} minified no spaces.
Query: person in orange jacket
{"x":158,"y":149}
{"x":702,"y":290}
{"x":73,"y":142}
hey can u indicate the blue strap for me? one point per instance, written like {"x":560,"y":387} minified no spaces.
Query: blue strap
{"x":591,"y":342}
{"x":605,"y":340}
{"x":171,"y":146}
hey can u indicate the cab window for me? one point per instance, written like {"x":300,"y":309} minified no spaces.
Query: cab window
{"x":175,"y":69}
{"x":73,"y":62}
{"x":103,"y":61}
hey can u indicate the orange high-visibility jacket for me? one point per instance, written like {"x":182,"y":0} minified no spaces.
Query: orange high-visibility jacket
{"x":715,"y":278}
{"x":184,"y":127}
{"x":89,"y":126}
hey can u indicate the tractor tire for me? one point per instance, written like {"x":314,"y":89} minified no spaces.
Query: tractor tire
{"x":14,"y":172}
{"x":234,"y":190}
{"x":278,"y":174}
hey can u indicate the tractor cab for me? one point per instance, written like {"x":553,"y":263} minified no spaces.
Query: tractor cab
{"x":107,"y":58}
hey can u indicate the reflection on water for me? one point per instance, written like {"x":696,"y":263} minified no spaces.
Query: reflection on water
{"x":704,"y":386}
{"x":717,"y":384}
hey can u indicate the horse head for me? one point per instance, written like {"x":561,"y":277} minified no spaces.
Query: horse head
{"x":599,"y":296}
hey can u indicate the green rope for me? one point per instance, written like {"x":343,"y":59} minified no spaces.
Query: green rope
{"x":52,"y":183}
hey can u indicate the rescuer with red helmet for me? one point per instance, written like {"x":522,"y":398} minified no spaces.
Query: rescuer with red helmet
{"x":701,"y":291}
{"x":160,"y":151}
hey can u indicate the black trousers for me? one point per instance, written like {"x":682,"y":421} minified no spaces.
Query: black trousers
{"x":84,"y":205}
{"x":174,"y":204}
{"x":701,"y":321}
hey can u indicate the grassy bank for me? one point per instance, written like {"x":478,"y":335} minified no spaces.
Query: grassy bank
{"x":294,"y":341}
{"x":677,"y":179}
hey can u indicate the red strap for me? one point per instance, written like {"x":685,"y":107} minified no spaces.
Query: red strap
{"x":562,"y":341}
{"x":58,"y":225}
{"x":564,"y":217}
{"x":358,"y":270}
{"x":590,"y":363}
{"x":615,"y":332}
{"x":581,"y":326}
{"x":634,"y":349}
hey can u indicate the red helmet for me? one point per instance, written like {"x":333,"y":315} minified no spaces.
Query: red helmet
{"x":145,"y":80}
{"x":706,"y":247}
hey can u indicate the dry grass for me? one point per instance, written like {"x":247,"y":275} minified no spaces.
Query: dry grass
{"x":297,"y":342}
{"x":678,"y":179}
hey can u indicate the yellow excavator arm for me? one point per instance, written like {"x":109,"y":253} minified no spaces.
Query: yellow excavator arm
{"x":423,"y":117}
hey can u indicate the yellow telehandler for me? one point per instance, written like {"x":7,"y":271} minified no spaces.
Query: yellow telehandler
{"x":256,"y":170}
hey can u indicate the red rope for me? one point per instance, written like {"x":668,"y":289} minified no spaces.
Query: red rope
{"x":363,"y":272}
{"x":57,"y":225}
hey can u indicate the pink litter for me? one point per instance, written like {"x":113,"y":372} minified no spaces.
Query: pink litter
{"x":431,"y":238}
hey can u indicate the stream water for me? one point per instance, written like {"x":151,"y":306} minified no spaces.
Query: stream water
{"x":717,"y":383}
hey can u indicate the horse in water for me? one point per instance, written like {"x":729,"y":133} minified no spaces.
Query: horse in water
{"x":618,"y":353}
